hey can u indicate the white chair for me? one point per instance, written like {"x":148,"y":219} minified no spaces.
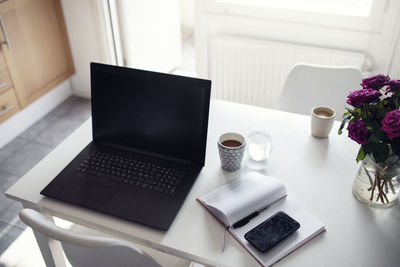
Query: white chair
{"x":312,"y":85}
{"x":88,"y":250}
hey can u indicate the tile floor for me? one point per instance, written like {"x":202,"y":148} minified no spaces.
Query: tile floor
{"x":21,"y":154}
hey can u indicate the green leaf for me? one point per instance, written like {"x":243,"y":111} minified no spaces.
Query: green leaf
{"x":380,"y":151}
{"x":361,"y":154}
{"x":376,"y":130}
{"x":396,"y":146}
{"x":373,"y":139}
{"x":368,"y":149}
{"x":345,"y":114}
{"x":356,"y":112}
{"x":380,"y":114}
{"x":343,"y":123}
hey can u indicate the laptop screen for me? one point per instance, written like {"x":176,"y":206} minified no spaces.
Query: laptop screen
{"x":148,"y":111}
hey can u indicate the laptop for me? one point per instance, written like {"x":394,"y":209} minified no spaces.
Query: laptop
{"x":148,"y":147}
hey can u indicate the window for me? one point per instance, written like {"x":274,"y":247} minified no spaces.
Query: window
{"x":357,"y":8}
{"x":359,"y":15}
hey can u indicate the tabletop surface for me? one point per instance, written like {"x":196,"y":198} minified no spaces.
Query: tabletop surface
{"x":318,"y":174}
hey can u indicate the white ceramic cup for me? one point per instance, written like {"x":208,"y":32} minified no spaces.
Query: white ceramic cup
{"x":322,"y":118}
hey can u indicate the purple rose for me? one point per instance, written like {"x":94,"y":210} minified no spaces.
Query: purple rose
{"x":363,"y":96}
{"x":391,"y":124}
{"x":375,"y":82}
{"x":358,"y":132}
{"x":394,"y":86}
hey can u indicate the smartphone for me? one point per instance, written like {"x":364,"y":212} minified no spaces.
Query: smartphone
{"x":272,"y":231}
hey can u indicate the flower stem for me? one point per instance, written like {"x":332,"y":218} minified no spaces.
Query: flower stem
{"x":384,"y":194}
{"x":369,"y":176}
{"x":373,"y":189}
{"x":392,"y":186}
{"x":381,"y":194}
{"x":380,"y":184}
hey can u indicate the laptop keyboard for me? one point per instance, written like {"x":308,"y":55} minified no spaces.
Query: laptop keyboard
{"x":132,"y":172}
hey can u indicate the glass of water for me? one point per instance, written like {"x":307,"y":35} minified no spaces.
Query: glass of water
{"x":260,"y":145}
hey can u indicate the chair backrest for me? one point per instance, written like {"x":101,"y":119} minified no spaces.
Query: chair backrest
{"x":88,"y":250}
{"x":313,"y":85}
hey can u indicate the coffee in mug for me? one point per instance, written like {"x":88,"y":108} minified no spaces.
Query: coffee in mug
{"x":324,"y":112}
{"x":231,"y":143}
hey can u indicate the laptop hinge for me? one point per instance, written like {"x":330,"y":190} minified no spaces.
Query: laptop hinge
{"x":147,"y":153}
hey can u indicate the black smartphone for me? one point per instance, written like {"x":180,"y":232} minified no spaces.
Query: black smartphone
{"x":272,"y":231}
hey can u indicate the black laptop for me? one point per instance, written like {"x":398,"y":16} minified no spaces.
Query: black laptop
{"x":149,"y":145}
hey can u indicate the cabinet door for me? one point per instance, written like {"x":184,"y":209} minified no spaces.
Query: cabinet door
{"x":35,"y":45}
{"x":8,"y":105}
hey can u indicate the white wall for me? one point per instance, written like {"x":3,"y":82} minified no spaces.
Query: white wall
{"x":394,"y":63}
{"x":150,"y":33}
{"x":85,"y":41}
{"x":394,"y":69}
{"x":187,"y":14}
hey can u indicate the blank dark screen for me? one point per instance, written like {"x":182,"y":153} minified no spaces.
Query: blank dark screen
{"x":155,"y":112}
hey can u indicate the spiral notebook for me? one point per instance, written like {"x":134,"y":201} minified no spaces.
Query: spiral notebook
{"x":267,"y":195}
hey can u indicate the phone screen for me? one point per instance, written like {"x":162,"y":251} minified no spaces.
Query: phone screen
{"x":270,"y":232}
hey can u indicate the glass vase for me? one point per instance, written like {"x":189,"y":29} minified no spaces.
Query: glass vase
{"x":378,"y":184}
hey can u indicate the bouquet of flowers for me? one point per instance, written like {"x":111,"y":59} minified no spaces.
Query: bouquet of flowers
{"x":373,"y":121}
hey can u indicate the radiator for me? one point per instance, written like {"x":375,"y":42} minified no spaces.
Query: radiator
{"x":254,"y":71}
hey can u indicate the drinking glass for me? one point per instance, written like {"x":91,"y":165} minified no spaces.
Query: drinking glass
{"x":260,"y":145}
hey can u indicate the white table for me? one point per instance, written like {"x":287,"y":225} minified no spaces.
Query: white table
{"x":318,"y":174}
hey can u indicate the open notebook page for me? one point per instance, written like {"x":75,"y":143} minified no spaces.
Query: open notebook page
{"x":239,"y":198}
{"x":309,"y":228}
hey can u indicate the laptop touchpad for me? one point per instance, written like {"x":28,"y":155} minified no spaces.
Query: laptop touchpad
{"x":97,"y":192}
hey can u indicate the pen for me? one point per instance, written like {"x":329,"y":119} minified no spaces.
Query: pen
{"x":246,"y":219}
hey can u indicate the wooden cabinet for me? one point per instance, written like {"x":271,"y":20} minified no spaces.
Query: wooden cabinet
{"x":35,"y":53}
{"x":5,"y":81}
{"x":8,"y":105}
